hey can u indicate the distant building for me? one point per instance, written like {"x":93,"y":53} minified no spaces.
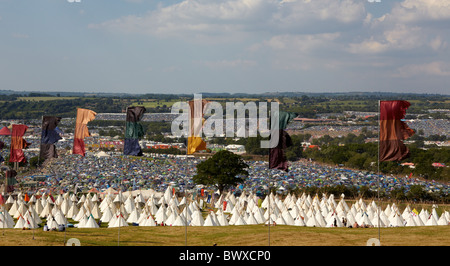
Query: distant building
{"x":234,"y":148}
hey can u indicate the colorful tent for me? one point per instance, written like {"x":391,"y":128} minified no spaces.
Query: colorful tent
{"x":5,"y":131}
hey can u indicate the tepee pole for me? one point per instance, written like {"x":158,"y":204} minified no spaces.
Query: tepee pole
{"x":185,"y":189}
{"x":268,"y":184}
{"x":185,"y":206}
{"x":38,"y":164}
{"x":268,"y":198}
{"x":269,"y":222}
{"x":378,"y":178}
{"x":5,"y":184}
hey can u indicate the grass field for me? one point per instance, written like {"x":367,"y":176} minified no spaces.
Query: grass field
{"x":249,"y":235}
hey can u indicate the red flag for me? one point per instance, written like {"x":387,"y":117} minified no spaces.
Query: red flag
{"x":224,"y":205}
{"x":2,"y":200}
{"x":393,"y":130}
{"x":18,"y":144}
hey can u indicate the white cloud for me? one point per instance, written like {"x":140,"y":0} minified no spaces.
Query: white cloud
{"x":190,"y":18}
{"x":368,"y":47}
{"x":421,"y":10}
{"x":304,"y":15}
{"x":437,"y":43}
{"x":399,"y":38}
{"x":237,"y":18}
{"x":410,"y":25}
{"x":327,"y":38}
{"x":436,"y":68}
{"x":301,"y":43}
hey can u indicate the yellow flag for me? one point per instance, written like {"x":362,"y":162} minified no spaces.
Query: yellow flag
{"x":195,"y":142}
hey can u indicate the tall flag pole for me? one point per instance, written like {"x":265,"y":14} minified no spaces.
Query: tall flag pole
{"x":50,"y":135}
{"x":133,"y":131}
{"x":392,"y":132}
{"x":84,"y":116}
{"x":277,"y":156}
{"x":195,"y":142}
{"x":18,"y":143}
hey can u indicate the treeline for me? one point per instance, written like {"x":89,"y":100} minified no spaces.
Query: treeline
{"x":27,"y":109}
{"x":14,"y":106}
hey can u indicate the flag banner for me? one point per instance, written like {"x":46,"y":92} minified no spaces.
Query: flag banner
{"x":18,"y":143}
{"x":132,"y":147}
{"x":10,"y":180}
{"x":393,"y":131}
{"x":84,"y":116}
{"x":50,"y":135}
{"x":195,"y":144}
{"x":133,"y":131}
{"x":277,"y":156}
{"x":195,"y":141}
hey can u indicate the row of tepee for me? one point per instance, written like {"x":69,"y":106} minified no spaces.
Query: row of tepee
{"x":118,"y":210}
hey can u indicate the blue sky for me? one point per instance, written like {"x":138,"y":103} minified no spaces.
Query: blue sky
{"x":253,"y":46}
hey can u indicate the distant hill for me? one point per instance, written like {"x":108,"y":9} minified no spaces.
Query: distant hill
{"x":225,"y":94}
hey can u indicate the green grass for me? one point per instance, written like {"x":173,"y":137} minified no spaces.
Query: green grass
{"x":249,"y":235}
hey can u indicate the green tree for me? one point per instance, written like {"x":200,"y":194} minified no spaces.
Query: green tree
{"x":417,"y":192}
{"x":223,"y":169}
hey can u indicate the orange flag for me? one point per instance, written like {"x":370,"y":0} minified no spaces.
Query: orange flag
{"x":18,"y":144}
{"x":84,"y":116}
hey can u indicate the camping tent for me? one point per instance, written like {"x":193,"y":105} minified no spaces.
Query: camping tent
{"x":5,"y":131}
{"x":102,"y":154}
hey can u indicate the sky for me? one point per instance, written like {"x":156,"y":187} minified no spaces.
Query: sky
{"x":234,"y":46}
